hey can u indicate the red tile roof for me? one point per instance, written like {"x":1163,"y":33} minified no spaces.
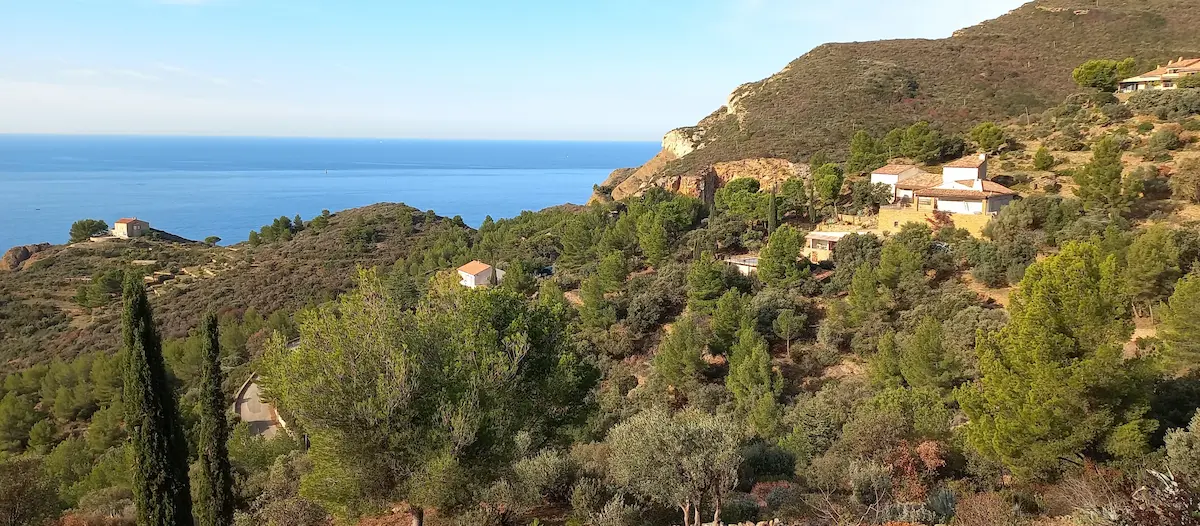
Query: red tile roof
{"x":970,"y":161}
{"x":127,"y":220}
{"x":474,"y":268}
{"x":1186,"y":65}
{"x":894,"y":169}
{"x":990,"y":189}
{"x":919,"y":182}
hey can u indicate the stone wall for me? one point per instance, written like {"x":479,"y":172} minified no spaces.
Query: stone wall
{"x":891,"y":219}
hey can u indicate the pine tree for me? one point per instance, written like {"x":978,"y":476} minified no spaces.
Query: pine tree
{"x":729,"y":316}
{"x":1101,"y":186}
{"x":924,"y":361}
{"x":652,"y":236}
{"x":680,"y":358}
{"x":706,"y":283}
{"x":778,"y":263}
{"x":772,"y":212}
{"x":161,"y":491}
{"x":754,"y":383}
{"x":1180,"y":330}
{"x":216,"y":481}
{"x":1054,"y":382}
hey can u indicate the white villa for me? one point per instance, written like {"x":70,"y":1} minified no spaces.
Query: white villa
{"x":962,"y":188}
{"x":1162,"y":77}
{"x":479,"y":274}
{"x":127,"y":227}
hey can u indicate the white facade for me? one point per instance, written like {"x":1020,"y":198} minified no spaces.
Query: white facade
{"x":477,"y":274}
{"x":130,"y":228}
{"x":962,"y":171}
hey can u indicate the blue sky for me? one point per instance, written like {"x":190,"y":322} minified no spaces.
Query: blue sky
{"x":483,"y":69}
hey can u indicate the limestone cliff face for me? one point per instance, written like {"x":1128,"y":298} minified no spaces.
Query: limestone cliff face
{"x":700,"y":183}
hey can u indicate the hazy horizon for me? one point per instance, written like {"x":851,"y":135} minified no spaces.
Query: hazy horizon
{"x":457,"y":70}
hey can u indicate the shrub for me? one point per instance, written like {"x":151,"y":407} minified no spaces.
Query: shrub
{"x":1165,"y":139}
{"x":1116,"y":112}
{"x":985,"y":509}
{"x":1043,"y":160}
{"x":1166,"y":104}
{"x":617,"y":513}
{"x":765,"y":462}
{"x":739,"y":507}
{"x":588,"y":496}
{"x":1145,"y":127}
{"x":547,"y":475}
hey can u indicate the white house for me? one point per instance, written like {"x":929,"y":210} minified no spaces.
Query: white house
{"x":963,"y":188}
{"x":479,"y":274}
{"x":746,"y":265}
{"x":893,"y":174}
{"x":1162,"y":77}
{"x":127,"y":227}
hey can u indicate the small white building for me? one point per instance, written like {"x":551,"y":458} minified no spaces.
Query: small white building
{"x":892,"y":174}
{"x":130,"y":227}
{"x":479,"y":274}
{"x":746,"y":265}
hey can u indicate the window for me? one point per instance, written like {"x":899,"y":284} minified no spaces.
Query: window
{"x":925,"y":201}
{"x":821,"y":244}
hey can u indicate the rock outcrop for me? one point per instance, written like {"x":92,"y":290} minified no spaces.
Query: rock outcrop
{"x":12,"y":260}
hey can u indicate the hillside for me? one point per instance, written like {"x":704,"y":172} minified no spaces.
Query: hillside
{"x":1018,"y":63}
{"x":40,"y":316}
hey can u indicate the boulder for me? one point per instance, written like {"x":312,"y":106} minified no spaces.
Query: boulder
{"x":13,"y":259}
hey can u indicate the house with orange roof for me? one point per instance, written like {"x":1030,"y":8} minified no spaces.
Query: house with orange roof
{"x":130,"y":227}
{"x":478,"y":274}
{"x":962,"y":188}
{"x":1162,"y":77}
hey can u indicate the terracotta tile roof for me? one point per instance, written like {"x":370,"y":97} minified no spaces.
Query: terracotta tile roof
{"x":127,"y":220}
{"x":894,"y":169}
{"x":970,"y":161}
{"x":919,"y":182}
{"x":990,"y":189}
{"x":967,"y":182}
{"x":474,"y":268}
{"x":1191,"y":64}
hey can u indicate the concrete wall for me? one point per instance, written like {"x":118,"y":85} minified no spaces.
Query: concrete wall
{"x":891,"y":219}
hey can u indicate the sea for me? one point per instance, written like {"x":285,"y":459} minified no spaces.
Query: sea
{"x":197,"y":187}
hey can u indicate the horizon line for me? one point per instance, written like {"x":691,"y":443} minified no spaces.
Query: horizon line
{"x":321,"y":137}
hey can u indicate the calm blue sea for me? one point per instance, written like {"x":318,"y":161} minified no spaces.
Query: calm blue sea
{"x":199,"y":187}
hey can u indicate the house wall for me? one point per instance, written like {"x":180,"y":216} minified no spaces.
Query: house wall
{"x":745,"y":270}
{"x":468,"y":280}
{"x":959,"y":207}
{"x":817,"y":255}
{"x":887,"y":179}
{"x":949,"y":175}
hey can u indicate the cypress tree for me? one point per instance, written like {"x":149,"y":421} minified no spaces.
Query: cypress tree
{"x":772,"y":213}
{"x":160,"y":472}
{"x":216,"y":481}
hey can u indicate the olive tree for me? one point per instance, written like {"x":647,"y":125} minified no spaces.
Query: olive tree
{"x":677,"y":459}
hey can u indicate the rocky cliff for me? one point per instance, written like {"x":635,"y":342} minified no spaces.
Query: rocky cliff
{"x":1018,"y":63}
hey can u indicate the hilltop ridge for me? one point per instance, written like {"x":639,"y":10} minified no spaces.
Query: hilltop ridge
{"x":1016,"y":64}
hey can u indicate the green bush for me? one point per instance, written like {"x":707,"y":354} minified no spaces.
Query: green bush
{"x":1116,"y":112}
{"x":1166,"y":104}
{"x":548,"y":475}
{"x":1165,"y":139}
{"x":739,"y":507}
